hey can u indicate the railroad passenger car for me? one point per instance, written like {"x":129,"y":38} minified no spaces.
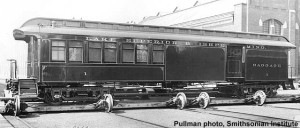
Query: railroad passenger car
{"x":74,"y":59}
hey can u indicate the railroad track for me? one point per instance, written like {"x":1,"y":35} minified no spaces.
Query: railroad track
{"x":17,"y":122}
{"x":289,"y":108}
{"x":142,"y":121}
{"x":241,"y":116}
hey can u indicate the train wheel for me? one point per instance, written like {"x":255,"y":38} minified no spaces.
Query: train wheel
{"x":259,"y":97}
{"x":108,"y":103}
{"x":203,"y":99}
{"x":17,"y":105}
{"x":181,"y":100}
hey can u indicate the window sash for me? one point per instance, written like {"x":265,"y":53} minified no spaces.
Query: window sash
{"x":158,"y":54}
{"x":75,"y":54}
{"x":128,"y":46}
{"x":95,"y":45}
{"x":95,"y":52}
{"x":266,"y":26}
{"x":128,"y":56}
{"x":110,"y":52}
{"x":110,"y":55}
{"x":128,"y":53}
{"x":142,"y":46}
{"x":73,"y":44}
{"x":75,"y":51}
{"x":276,"y":26}
{"x":158,"y":57}
{"x":58,"y":54}
{"x":142,"y":56}
{"x":58,"y":51}
{"x":141,"y":53}
{"x":58,"y":43}
{"x":110,"y":45}
{"x":158,"y":47}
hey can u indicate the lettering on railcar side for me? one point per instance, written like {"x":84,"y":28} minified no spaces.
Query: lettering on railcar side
{"x":267,"y":65}
{"x":255,"y":47}
{"x":104,"y":39}
{"x":155,"y":41}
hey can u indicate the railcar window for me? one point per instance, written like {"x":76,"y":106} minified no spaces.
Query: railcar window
{"x":58,"y":51}
{"x":158,"y":54}
{"x":142,"y":53}
{"x":128,"y":53}
{"x":95,"y":52}
{"x":110,"y":52}
{"x":75,"y":51}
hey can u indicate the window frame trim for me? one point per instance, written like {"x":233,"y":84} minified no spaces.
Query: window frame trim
{"x":162,"y":50}
{"x":148,"y":54}
{"x":51,"y":50}
{"x":102,"y":51}
{"x":134,"y":54}
{"x":68,"y":53}
{"x":116,"y":49}
{"x":270,"y":29}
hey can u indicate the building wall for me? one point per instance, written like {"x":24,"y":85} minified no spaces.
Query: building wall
{"x":283,"y":11}
{"x":248,"y":17}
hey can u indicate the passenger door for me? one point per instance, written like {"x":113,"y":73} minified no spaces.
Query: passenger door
{"x":234,"y":61}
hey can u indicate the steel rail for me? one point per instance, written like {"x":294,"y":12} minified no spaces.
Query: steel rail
{"x":146,"y":122}
{"x":270,"y":106}
{"x":237,"y":115}
{"x":17,"y":122}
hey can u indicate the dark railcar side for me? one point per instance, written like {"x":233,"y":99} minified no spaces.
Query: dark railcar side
{"x":190,"y":63}
{"x":101,"y":73}
{"x":266,"y":65}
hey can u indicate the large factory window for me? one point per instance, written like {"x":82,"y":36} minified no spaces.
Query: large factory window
{"x":95,"y":52}
{"x":110,"y":52}
{"x":128,"y":53}
{"x":141,"y":53}
{"x":58,"y":50}
{"x":75,"y":51}
{"x":272,"y":26}
{"x":158,"y":54}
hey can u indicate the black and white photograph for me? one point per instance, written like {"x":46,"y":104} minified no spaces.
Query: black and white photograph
{"x":149,"y":64}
